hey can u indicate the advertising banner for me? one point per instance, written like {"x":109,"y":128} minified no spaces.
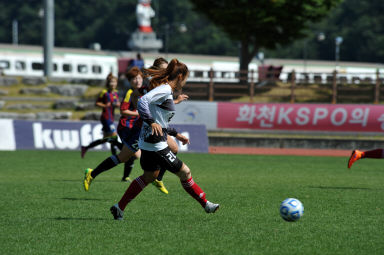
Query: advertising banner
{"x":302,"y":117}
{"x":69,"y":135}
{"x":196,"y":112}
{"x":7,"y":135}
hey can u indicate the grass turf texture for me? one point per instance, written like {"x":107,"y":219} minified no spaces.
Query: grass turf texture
{"x":44,"y":209}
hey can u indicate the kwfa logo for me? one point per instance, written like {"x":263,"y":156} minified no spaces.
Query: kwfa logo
{"x":65,"y":139}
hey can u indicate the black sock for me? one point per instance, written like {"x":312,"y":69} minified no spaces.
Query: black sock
{"x":113,"y":149}
{"x":128,"y":166}
{"x":95,"y":143}
{"x":107,"y":164}
{"x":161,"y":174}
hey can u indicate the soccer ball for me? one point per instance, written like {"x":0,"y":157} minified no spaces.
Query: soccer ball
{"x":291,"y":209}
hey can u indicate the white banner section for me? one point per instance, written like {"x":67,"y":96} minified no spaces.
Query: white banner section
{"x":7,"y":135}
{"x":196,"y":112}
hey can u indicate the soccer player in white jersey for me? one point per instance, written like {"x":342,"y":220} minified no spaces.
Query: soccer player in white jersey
{"x":156,"y":109}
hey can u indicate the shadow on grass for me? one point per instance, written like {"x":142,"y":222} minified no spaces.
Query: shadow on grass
{"x":85,"y":219}
{"x":83,"y":199}
{"x":345,"y":188}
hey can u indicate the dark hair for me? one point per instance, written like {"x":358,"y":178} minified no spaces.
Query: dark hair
{"x":172,"y":72}
{"x":133,"y":72}
{"x":110,"y":77}
{"x":158,"y":62}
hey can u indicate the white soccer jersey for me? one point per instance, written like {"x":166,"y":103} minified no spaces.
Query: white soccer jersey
{"x":155,"y":106}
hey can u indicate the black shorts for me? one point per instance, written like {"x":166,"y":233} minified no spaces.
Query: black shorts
{"x":129,"y":137}
{"x":153,"y":160}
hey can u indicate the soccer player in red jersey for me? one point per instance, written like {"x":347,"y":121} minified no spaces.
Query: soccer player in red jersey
{"x":108,"y":100}
{"x":128,"y":130}
{"x":156,"y":109}
{"x":356,"y":155}
{"x":130,"y":123}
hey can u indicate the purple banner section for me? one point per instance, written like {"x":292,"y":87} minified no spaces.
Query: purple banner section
{"x":65,"y":135}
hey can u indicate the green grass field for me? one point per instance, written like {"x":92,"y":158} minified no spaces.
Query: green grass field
{"x":44,"y":209}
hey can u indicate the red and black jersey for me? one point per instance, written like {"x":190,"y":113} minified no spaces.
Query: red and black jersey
{"x":128,"y":104}
{"x":105,"y":97}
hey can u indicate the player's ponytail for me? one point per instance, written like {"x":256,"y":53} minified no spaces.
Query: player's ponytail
{"x":175,"y":70}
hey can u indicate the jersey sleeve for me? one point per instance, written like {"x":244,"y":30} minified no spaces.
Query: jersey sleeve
{"x":127,"y":101}
{"x":172,"y":131}
{"x":155,"y":96}
{"x":101,"y":97}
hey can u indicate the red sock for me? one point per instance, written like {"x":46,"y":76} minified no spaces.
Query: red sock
{"x":378,"y":153}
{"x":133,"y":190}
{"x":195,"y":191}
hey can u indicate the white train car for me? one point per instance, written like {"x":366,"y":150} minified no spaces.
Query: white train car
{"x":225,"y":68}
{"x":319,"y":71}
{"x":26,"y":60}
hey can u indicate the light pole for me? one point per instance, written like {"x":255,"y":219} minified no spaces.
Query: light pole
{"x":48,"y":36}
{"x":15,"y":32}
{"x":338,"y":42}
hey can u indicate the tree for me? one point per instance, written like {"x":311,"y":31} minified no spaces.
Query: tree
{"x":264,"y":23}
{"x":111,"y":23}
{"x":201,"y":37}
{"x":361,"y":24}
{"x":77,"y":23}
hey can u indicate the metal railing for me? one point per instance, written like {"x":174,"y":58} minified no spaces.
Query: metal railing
{"x":289,"y":87}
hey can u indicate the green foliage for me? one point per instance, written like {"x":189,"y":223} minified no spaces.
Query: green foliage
{"x":280,"y":28}
{"x":201,"y":37}
{"x":44,"y":209}
{"x":106,"y":22}
{"x":80,"y":23}
{"x":26,"y":13}
{"x":360,"y":23}
{"x":263,"y":24}
{"x":77,"y":23}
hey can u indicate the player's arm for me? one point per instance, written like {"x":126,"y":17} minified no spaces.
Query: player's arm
{"x":180,"y":98}
{"x":125,"y":107}
{"x":151,"y":97}
{"x":129,"y":112}
{"x":102,"y":105}
{"x":183,"y":139}
{"x":145,"y":114}
{"x":100,"y":101}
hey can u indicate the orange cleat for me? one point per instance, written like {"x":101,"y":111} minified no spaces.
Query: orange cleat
{"x":356,"y":155}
